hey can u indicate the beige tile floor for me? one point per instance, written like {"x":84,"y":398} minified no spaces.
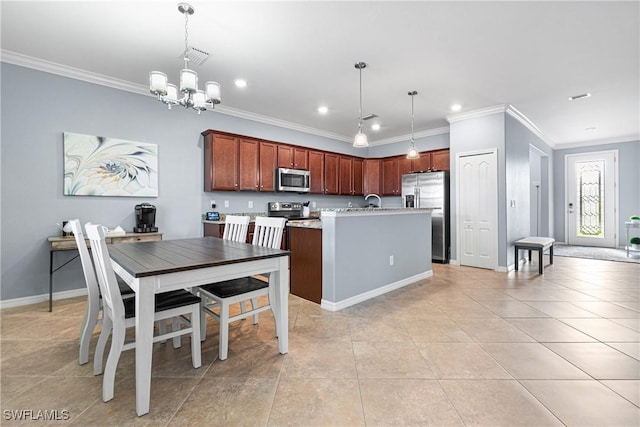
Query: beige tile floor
{"x":465,"y":347}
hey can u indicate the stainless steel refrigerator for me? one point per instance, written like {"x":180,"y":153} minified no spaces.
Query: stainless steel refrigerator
{"x":431,"y":190}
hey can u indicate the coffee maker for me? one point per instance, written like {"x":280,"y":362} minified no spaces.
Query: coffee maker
{"x":145,"y":218}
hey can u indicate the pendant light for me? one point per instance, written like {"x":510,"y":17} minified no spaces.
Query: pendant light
{"x":413,"y":153}
{"x":360,"y":140}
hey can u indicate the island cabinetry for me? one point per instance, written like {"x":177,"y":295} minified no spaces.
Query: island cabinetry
{"x":305,"y":265}
{"x":221,"y":162}
{"x":268,"y":161}
{"x":331,"y":178}
{"x":372,"y":176}
{"x":316,"y":171}
{"x":440,"y":160}
{"x":292,"y":157}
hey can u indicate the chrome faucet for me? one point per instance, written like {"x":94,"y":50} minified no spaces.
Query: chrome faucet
{"x":376,"y":196}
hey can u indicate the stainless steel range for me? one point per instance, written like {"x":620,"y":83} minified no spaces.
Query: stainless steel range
{"x":289,"y":210}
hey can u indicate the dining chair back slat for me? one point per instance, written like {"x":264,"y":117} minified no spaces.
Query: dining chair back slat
{"x":268,"y":232}
{"x":236,"y":228}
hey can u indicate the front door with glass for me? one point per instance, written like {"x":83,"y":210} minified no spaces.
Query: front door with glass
{"x":591,"y":199}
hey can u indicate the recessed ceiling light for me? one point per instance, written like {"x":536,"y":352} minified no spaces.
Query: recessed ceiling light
{"x":591,"y":129}
{"x":582,"y":95}
{"x":323,"y":109}
{"x":375,"y":126}
{"x":240,"y":82}
{"x":456,"y":107}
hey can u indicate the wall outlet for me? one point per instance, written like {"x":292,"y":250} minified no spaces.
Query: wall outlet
{"x":213,"y":204}
{"x":226,"y":203}
{"x":250,"y":204}
{"x":391,"y":260}
{"x":313,"y":204}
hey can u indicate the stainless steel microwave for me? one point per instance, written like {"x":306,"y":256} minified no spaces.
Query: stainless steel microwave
{"x":295,"y":180}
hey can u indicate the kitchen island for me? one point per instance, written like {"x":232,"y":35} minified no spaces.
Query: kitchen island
{"x":364,"y":253}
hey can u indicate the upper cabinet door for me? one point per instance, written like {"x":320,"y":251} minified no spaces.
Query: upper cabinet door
{"x":316,"y":172}
{"x":285,"y":156}
{"x":249,"y":164}
{"x":220,"y":162}
{"x":390,"y":176}
{"x":346,"y":176}
{"x":358,"y":177}
{"x":423,"y":163}
{"x":268,"y":161}
{"x":300,"y":158}
{"x":405,"y":166}
{"x":331,"y":173}
{"x":372,"y":176}
{"x":440,"y":160}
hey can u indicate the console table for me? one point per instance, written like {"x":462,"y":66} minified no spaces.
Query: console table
{"x":628,"y":225}
{"x":68,"y":243}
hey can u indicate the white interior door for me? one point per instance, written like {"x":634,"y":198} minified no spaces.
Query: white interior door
{"x":477,"y":191}
{"x":591,"y":199}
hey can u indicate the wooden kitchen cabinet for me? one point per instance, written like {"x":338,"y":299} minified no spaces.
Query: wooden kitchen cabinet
{"x":316,"y":172}
{"x":440,"y":160}
{"x":423,"y":163}
{"x":268,"y":161}
{"x":331,"y":178}
{"x":351,"y":176}
{"x":405,"y":166}
{"x":292,"y":157}
{"x":221,"y":161}
{"x":390,"y":175}
{"x":372,"y":176}
{"x":248,"y":170}
{"x":305,"y":264}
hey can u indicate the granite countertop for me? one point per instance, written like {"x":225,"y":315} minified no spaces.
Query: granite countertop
{"x":304,"y":223}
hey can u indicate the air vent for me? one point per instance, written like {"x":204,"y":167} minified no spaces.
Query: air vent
{"x":196,"y":56}
{"x":582,"y":95}
{"x":369,"y":116}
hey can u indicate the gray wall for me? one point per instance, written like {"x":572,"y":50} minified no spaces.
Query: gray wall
{"x":628,"y":184}
{"x":356,"y":250}
{"x":37,"y":107}
{"x":518,"y":144}
{"x":481,"y":133}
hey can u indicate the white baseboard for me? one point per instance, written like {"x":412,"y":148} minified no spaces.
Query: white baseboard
{"x":336,"y":306}
{"x":18,"y":302}
{"x":454,"y":262}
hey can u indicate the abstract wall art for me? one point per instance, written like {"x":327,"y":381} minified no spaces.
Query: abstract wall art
{"x":101,"y":166}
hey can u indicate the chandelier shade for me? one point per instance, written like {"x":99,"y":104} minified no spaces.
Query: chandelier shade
{"x":191,"y":96}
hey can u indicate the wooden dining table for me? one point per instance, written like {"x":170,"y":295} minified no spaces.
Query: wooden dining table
{"x":155,"y":267}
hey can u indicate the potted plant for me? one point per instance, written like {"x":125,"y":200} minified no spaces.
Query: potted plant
{"x":634,"y":218}
{"x":635,"y":242}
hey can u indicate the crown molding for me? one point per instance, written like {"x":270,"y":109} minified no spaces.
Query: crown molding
{"x":71,"y":72}
{"x":616,"y":140}
{"x":280,"y":123}
{"x":407,"y":137}
{"x":513,"y":112}
{"x":99,"y":79}
{"x":477,"y":113}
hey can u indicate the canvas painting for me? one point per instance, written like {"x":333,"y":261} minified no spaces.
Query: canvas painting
{"x":101,"y":166}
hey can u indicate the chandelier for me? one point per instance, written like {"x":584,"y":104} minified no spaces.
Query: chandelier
{"x":413,"y":153}
{"x":360,"y":140}
{"x":192,"y":97}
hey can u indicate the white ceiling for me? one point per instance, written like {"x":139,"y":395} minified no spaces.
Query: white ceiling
{"x":298,"y":55}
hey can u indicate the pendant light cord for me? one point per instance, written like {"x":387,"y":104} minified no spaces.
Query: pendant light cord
{"x":360,"y":115}
{"x":186,"y":39}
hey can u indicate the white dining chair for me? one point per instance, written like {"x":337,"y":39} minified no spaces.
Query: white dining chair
{"x":92,"y":313}
{"x":235,"y":229}
{"x":119,"y":314}
{"x":268,"y":233}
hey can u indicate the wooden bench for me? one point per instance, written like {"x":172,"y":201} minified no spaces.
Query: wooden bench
{"x":539,"y":244}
